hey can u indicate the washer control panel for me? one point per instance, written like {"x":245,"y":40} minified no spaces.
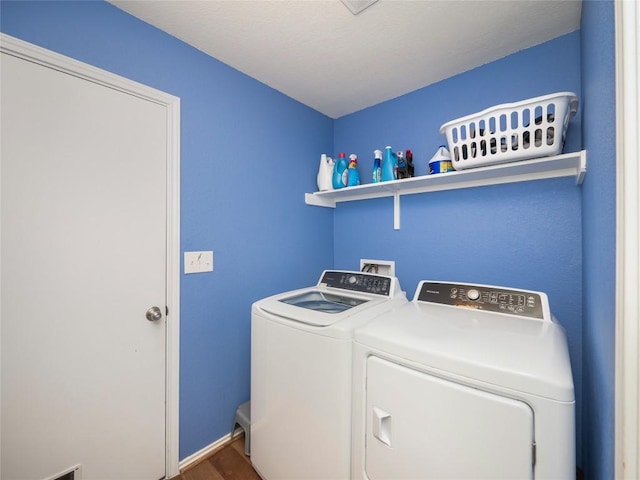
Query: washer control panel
{"x":357,"y":282}
{"x":481,"y":297}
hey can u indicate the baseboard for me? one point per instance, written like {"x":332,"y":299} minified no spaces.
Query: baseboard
{"x":207,"y":451}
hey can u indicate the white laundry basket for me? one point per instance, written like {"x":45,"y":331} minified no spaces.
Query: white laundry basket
{"x":512,"y":131}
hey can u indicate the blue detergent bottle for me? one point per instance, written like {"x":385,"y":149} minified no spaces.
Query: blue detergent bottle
{"x":389,"y":165}
{"x":353,"y":175}
{"x":340,"y":172}
{"x":377,"y":167}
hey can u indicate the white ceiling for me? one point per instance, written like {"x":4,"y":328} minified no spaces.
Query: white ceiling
{"x":319,"y":53}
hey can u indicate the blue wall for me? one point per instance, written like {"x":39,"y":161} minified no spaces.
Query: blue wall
{"x":525,"y":235}
{"x":599,"y":243}
{"x":237,"y":196}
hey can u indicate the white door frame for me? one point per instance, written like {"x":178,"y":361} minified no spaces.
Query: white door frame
{"x":627,"y":390}
{"x":33,"y":53}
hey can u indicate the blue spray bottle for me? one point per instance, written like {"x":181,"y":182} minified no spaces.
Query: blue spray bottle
{"x":389,"y":165}
{"x":353,"y":175}
{"x":340,"y":172}
{"x":377,"y":166}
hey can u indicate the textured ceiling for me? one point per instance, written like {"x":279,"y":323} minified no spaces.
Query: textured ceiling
{"x":319,"y":53}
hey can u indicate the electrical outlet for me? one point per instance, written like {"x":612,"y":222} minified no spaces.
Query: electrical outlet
{"x":381,"y":267}
{"x":198,"y":262}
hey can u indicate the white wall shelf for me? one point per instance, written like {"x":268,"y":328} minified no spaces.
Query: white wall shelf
{"x":565,"y":165}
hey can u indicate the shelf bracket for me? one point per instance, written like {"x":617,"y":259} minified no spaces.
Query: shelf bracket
{"x":582,"y":167}
{"x":396,"y":210}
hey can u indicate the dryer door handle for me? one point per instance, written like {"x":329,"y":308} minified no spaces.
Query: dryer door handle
{"x":382,"y":425}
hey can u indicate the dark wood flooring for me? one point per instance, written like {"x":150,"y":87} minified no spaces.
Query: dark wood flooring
{"x":227,"y":463}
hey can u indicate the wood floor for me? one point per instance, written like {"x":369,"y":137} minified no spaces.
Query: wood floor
{"x":228,"y":463}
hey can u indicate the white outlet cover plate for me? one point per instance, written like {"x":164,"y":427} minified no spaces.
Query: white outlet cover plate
{"x":198,"y":262}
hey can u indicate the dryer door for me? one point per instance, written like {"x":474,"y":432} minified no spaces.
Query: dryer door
{"x":421,"y":426}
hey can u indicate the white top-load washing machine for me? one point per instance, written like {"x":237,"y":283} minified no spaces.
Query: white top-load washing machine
{"x":463,"y":382}
{"x":301,"y":358}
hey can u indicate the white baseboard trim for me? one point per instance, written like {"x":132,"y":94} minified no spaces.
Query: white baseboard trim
{"x":208,"y":450}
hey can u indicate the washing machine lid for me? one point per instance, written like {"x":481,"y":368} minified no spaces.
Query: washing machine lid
{"x":338,"y":295}
{"x":517,"y":352}
{"x":325,"y":302}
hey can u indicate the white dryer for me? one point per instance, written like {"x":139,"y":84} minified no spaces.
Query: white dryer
{"x":463,"y":382}
{"x":301,"y":358}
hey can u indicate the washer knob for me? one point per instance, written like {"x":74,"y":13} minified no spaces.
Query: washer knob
{"x":473,"y":294}
{"x":352,"y":279}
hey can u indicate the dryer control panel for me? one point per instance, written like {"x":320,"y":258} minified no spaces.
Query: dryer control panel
{"x":357,"y":282}
{"x":483,"y":297}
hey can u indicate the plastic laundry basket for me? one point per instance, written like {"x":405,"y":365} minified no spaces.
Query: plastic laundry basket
{"x":512,"y":131}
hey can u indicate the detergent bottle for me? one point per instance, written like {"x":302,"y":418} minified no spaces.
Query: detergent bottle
{"x":353,"y":175}
{"x":325,"y":172}
{"x":410,"y":167}
{"x":389,"y":165}
{"x":377,"y":166}
{"x":340,"y":172}
{"x":402,"y":171}
{"x":441,"y":161}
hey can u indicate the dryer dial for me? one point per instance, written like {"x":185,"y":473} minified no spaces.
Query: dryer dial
{"x":473,"y":294}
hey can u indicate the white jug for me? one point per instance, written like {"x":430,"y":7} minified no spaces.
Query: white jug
{"x":325,"y":173}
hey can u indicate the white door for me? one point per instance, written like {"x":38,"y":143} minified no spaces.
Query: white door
{"x":422,"y":427}
{"x":83,"y":244}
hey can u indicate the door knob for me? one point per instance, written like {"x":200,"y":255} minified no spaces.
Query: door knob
{"x":154,"y":314}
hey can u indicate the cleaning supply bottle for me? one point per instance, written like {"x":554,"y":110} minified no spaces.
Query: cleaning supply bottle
{"x":389,"y":165}
{"x":402,"y":171}
{"x":325,"y":172}
{"x":441,"y":161}
{"x":340,"y":172}
{"x":353,"y":175}
{"x":377,"y":166}
{"x":410,"y":167}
